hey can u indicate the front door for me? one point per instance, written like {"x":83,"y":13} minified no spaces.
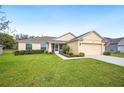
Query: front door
{"x":56,"y":48}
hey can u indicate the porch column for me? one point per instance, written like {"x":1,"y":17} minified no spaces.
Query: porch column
{"x":50,"y":47}
{"x":58,"y":47}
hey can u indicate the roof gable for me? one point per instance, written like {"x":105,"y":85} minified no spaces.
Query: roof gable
{"x":90,"y":34}
{"x":114,"y":40}
{"x":86,"y":34}
{"x":66,"y":37}
{"x":121,"y":42}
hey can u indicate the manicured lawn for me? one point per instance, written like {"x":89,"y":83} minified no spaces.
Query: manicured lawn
{"x":49,"y":70}
{"x":117,"y":54}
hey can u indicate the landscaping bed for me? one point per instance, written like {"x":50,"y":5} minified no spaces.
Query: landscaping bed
{"x":66,"y":52}
{"x":71,"y":55}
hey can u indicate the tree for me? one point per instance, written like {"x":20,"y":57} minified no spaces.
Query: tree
{"x":4,"y":24}
{"x":65,"y":49}
{"x":20,"y":36}
{"x":5,"y":38}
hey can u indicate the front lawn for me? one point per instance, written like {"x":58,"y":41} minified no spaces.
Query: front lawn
{"x":50,"y":70}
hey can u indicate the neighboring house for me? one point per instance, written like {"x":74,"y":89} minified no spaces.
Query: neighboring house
{"x":89,"y":43}
{"x":1,"y":49}
{"x":115,"y":45}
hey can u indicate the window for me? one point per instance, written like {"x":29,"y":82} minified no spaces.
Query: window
{"x":43,"y":46}
{"x":28,"y":46}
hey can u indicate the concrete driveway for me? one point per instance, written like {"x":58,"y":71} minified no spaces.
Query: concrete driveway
{"x":108,"y":59}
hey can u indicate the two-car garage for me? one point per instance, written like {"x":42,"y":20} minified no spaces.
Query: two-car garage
{"x":90,"y":43}
{"x":91,"y":49}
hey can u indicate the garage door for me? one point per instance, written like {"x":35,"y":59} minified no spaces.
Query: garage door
{"x":92,"y":49}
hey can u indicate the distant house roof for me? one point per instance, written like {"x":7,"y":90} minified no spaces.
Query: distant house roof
{"x":40,"y":39}
{"x":83,"y":35}
{"x":113,"y":40}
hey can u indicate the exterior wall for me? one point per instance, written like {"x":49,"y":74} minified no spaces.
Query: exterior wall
{"x":73,"y":47}
{"x":113,"y":48}
{"x":121,"y":46}
{"x":121,"y":42}
{"x":1,"y":50}
{"x":66,"y":37}
{"x":36,"y":46}
{"x":21,"y":46}
{"x":103,"y":48}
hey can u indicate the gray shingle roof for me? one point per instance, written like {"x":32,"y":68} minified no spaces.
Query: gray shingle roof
{"x":40,"y":39}
{"x":37,"y":39}
{"x":113,"y":40}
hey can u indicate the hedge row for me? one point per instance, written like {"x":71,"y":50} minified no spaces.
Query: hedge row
{"x":107,"y":53}
{"x":72,"y":55}
{"x":28,"y":52}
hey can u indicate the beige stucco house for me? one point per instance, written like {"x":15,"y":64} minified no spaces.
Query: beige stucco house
{"x":91,"y":43}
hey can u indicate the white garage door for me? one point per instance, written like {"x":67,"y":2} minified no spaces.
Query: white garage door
{"x":92,"y":49}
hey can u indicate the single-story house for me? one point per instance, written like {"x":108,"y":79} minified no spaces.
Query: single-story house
{"x":115,"y":45}
{"x":1,"y":49}
{"x":89,"y":43}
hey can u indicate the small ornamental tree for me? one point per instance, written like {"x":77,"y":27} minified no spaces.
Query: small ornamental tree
{"x":65,"y":49}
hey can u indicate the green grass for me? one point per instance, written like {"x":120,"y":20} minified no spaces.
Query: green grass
{"x":117,"y":54}
{"x":50,"y":70}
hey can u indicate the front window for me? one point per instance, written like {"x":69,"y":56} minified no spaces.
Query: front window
{"x":28,"y":46}
{"x":43,"y":46}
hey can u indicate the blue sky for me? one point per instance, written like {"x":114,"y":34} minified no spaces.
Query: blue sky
{"x":56,"y":20}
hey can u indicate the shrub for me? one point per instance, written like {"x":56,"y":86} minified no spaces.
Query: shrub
{"x":107,"y":53}
{"x":16,"y":53}
{"x":65,"y":49}
{"x":27,"y":52}
{"x":50,"y":53}
{"x":45,"y":52}
{"x":70,"y":54}
{"x":81,"y":54}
